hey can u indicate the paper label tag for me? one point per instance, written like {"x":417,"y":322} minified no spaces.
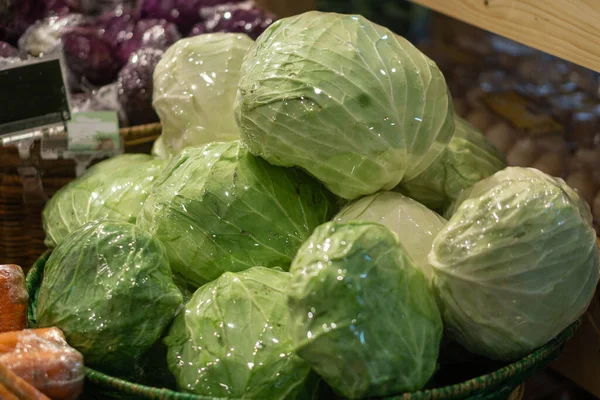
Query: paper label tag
{"x":522,"y":113}
{"x":94,"y":131}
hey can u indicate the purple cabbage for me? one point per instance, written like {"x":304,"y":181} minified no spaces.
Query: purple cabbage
{"x":245,"y":17}
{"x":183,"y":13}
{"x":7,"y":50}
{"x":22,"y":13}
{"x":90,"y":56}
{"x":136,"y":85}
{"x":117,"y":25}
{"x":152,"y":33}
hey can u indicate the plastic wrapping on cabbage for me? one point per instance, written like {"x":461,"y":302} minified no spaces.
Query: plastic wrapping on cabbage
{"x":158,"y":148}
{"x":217,"y":208}
{"x":44,"y":37}
{"x":413,"y":223}
{"x":244,"y":17}
{"x":149,"y":33}
{"x":356,"y":106}
{"x":361,"y":314}
{"x":135,"y":86}
{"x":123,"y":299}
{"x":105,"y":98}
{"x":516,"y":264}
{"x":195,"y":85}
{"x":58,"y":370}
{"x":468,"y":159}
{"x":113,"y":189}
{"x":21,"y":14}
{"x":232,"y":339}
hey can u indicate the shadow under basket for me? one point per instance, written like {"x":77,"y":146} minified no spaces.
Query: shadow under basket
{"x":21,"y":232}
{"x":502,"y":382}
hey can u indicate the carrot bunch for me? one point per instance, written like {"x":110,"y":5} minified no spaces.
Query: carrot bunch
{"x":35,"y":364}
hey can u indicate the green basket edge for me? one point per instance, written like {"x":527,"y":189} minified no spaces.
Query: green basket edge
{"x":512,"y":374}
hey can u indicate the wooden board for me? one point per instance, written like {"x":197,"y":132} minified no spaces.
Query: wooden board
{"x":569,"y":29}
{"x":285,"y":8}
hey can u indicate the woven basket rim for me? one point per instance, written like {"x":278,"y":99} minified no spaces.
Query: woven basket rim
{"x":488,"y":381}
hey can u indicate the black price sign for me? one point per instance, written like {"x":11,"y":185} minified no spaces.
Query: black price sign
{"x":33,"y":95}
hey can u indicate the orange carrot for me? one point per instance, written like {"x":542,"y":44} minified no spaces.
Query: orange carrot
{"x":16,"y":385}
{"x":5,"y":394}
{"x":58,"y":374}
{"x":13,"y":298}
{"x":9,"y":340}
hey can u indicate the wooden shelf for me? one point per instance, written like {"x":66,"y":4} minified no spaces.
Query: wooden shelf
{"x":569,"y":29}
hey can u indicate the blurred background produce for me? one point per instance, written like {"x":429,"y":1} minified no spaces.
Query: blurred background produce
{"x":537,"y":110}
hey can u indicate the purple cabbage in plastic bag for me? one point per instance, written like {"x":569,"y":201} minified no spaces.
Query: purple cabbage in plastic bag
{"x":104,"y":98}
{"x":90,"y":56}
{"x":183,"y":13}
{"x":153,"y":33}
{"x":245,"y":17}
{"x":7,"y":50}
{"x":21,"y":14}
{"x":136,"y":86}
{"x":117,"y":25}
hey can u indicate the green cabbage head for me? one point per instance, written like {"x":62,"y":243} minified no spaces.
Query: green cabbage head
{"x":108,"y":287}
{"x":218,"y":208}
{"x":195,"y":84}
{"x":113,"y":189}
{"x":516,"y":264}
{"x":468,"y":159}
{"x":413,"y":223}
{"x":361,"y":314}
{"x":347,"y":100}
{"x":232,"y":339}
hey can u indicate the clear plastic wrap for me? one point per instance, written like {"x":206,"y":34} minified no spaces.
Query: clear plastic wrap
{"x":361,"y":314}
{"x":13,"y":298}
{"x":327,"y":93}
{"x":516,"y":264}
{"x":92,"y":196}
{"x":45,"y":360}
{"x":123,"y":300}
{"x":195,"y":85}
{"x":105,"y":98}
{"x":232,"y":339}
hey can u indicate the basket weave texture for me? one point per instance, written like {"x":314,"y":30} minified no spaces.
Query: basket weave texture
{"x":21,"y":232}
{"x":504,"y":383}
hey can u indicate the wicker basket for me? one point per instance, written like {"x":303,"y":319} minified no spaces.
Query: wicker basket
{"x":504,"y":383}
{"x":21,"y":233}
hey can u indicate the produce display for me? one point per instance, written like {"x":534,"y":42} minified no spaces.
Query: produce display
{"x":109,"y":41}
{"x":285,"y":239}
